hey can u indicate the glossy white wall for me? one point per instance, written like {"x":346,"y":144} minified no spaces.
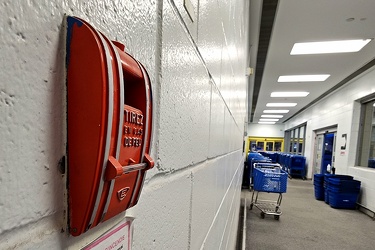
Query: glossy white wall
{"x":264,"y":130}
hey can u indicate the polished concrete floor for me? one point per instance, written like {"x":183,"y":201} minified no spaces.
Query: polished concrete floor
{"x":305,"y":223}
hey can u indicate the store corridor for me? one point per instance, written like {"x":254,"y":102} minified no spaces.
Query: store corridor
{"x":305,"y":223}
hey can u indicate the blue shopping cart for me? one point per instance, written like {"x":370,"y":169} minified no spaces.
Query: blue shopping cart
{"x":270,"y":178}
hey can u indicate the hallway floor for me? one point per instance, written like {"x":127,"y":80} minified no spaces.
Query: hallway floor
{"x":305,"y":223}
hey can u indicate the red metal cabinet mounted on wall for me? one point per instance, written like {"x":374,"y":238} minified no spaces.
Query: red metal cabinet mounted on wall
{"x":109,"y":127}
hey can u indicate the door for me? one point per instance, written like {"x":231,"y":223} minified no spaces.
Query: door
{"x":318,"y":153}
{"x":328,"y":151}
{"x":269,"y":146}
{"x":260,"y":146}
{"x":265,"y":144}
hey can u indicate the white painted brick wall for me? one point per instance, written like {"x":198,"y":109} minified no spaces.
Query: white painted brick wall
{"x":341,"y":109}
{"x":191,"y":198}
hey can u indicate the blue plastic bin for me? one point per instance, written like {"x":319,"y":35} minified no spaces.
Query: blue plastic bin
{"x":319,"y":192}
{"x":344,"y":186}
{"x":343,"y":200}
{"x":319,"y":186}
{"x":341,"y":191}
{"x":327,"y":178}
{"x":371,"y":163}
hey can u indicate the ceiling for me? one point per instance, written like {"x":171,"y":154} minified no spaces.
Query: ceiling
{"x":275,"y":25}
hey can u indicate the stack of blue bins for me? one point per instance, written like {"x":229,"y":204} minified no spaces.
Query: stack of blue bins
{"x":326,"y":183}
{"x":319,"y":186}
{"x":341,"y":191}
{"x":371,"y":163}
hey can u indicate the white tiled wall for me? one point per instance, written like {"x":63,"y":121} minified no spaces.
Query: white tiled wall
{"x":197,"y":69}
{"x":342,"y":109}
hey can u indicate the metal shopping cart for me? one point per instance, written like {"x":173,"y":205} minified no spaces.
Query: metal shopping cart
{"x":270,"y":178}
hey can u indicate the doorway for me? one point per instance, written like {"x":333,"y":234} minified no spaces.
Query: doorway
{"x":268,"y":144}
{"x":328,"y":153}
{"x":325,"y":144}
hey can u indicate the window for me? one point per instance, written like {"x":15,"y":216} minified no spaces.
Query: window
{"x":278,"y":146}
{"x":301,"y":140}
{"x":266,"y":143}
{"x":366,"y":154}
{"x":260,"y":146}
{"x":253,"y":145}
{"x":295,"y":138}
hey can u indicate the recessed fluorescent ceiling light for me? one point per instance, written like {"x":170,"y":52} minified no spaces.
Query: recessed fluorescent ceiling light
{"x":303,"y":78}
{"x":272,"y":116}
{"x":289,"y":94}
{"x":281,"y":104}
{"x":276,"y":111}
{"x":343,"y":46}
{"x":268,"y":120}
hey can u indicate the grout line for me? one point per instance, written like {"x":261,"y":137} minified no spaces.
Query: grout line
{"x":199,"y":55}
{"x":220,"y":206}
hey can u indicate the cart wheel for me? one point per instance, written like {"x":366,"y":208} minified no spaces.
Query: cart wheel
{"x":262,"y":214}
{"x":251,"y":206}
{"x":277,"y":217}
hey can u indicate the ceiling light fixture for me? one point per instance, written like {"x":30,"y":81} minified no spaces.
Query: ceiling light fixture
{"x":272,"y":116}
{"x":276,"y":111}
{"x":303,"y":78}
{"x":281,"y":104}
{"x":343,"y":46}
{"x":290,"y":94}
{"x":266,"y":122}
